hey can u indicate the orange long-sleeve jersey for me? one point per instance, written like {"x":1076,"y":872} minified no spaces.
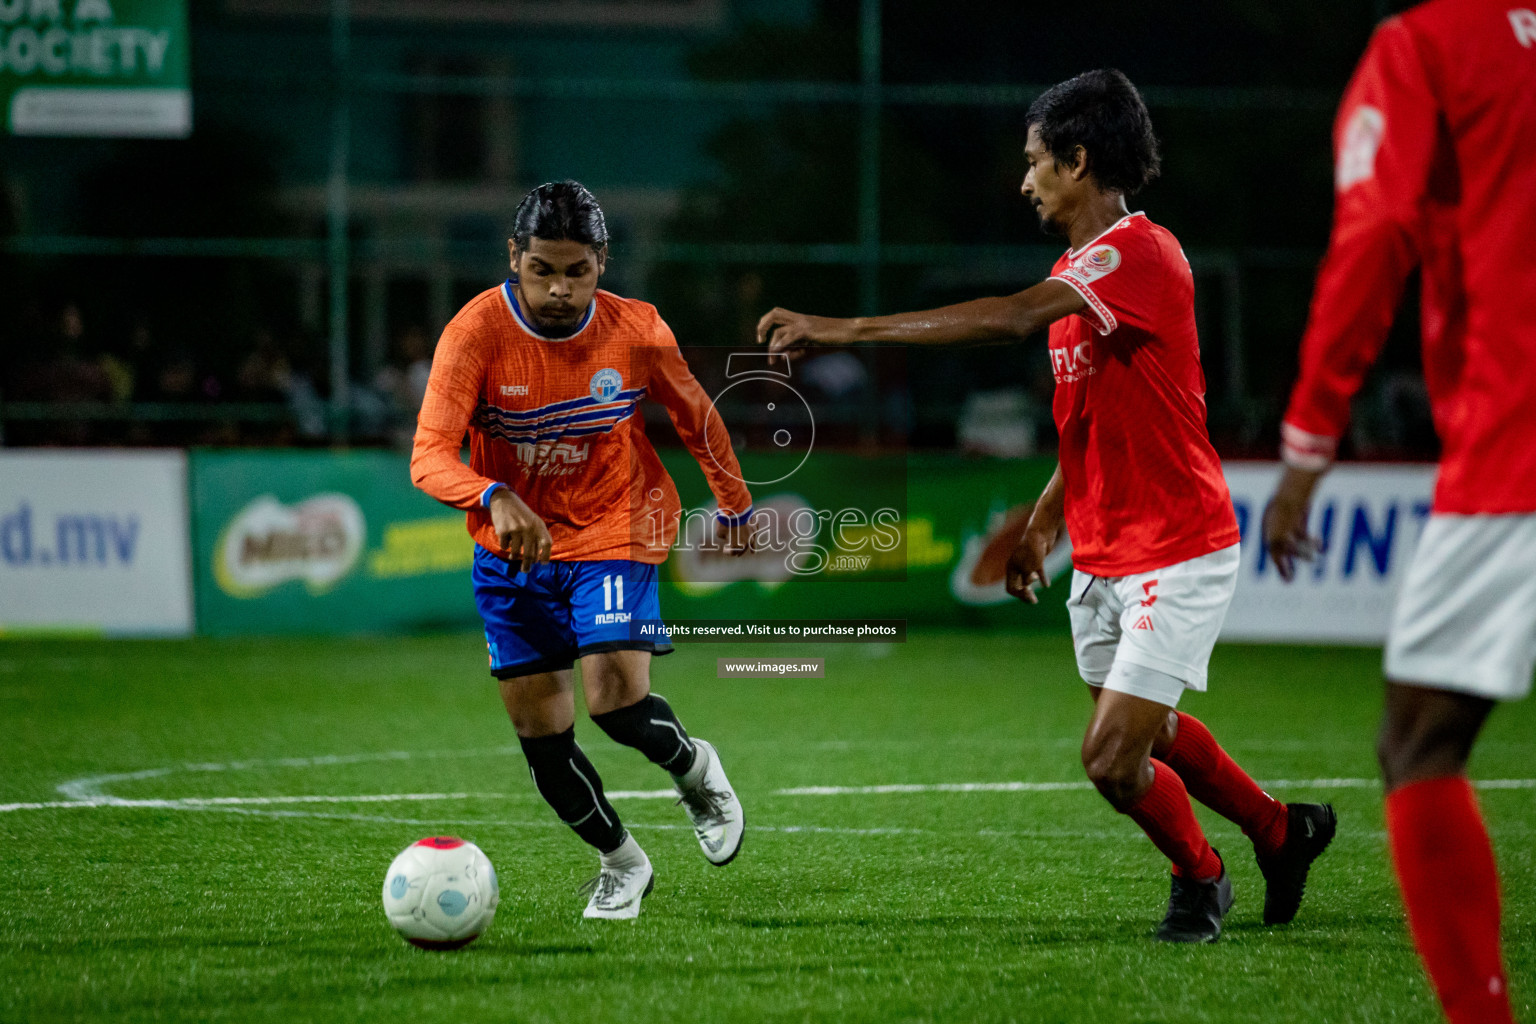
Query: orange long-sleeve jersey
{"x":558,"y":421}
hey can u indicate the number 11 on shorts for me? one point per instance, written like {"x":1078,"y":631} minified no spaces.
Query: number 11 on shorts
{"x":613,"y":586}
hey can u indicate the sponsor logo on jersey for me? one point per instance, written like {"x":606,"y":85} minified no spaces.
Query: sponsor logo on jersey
{"x":553,"y":458}
{"x":605,"y":384}
{"x":1150,"y":589}
{"x":610,"y":618}
{"x":1145,"y":622}
{"x":1073,"y":362}
{"x":514,"y":389}
{"x":1357,"y":153}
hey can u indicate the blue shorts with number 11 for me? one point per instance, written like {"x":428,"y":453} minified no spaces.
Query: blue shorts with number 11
{"x":546,"y":618}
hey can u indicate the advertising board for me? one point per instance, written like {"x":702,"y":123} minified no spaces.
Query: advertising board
{"x":1368,"y":518}
{"x":96,"y":68}
{"x":323,"y":542}
{"x":95,"y":542}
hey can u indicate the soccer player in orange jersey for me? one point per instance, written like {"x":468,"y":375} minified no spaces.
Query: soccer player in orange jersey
{"x":571,"y":512}
{"x":1436,"y":169}
{"x":1139,"y":488}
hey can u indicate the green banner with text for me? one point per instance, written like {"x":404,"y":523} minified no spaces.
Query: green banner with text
{"x":96,"y":68}
{"x":324,"y":542}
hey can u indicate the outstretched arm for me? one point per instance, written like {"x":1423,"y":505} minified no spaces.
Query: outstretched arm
{"x":705,"y":436}
{"x":1001,"y":318}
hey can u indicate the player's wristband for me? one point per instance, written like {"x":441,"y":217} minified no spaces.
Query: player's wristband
{"x":726,"y":520}
{"x":485,"y":495}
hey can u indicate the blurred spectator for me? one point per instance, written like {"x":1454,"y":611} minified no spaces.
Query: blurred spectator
{"x":308,"y":383}
{"x":837,"y":376}
{"x":403,"y":381}
{"x":67,"y":371}
{"x":998,"y":423}
{"x":64,"y":370}
{"x":265,"y":375}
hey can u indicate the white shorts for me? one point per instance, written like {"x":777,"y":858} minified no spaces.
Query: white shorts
{"x":1466,"y":616}
{"x":1166,"y":620}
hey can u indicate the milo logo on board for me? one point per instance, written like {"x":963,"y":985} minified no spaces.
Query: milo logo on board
{"x":268,"y":543}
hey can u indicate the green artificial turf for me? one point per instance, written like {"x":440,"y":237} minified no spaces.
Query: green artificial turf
{"x":1025,"y":905}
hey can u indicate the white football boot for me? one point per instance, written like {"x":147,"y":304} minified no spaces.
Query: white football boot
{"x":712,"y":807}
{"x":623,"y":880}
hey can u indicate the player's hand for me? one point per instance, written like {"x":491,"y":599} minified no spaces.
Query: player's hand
{"x":523,"y":537}
{"x":781,"y":330}
{"x":1026,"y":566}
{"x":737,"y":540}
{"x":1285,"y":522}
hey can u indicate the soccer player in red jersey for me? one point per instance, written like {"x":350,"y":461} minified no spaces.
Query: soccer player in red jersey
{"x":1139,"y":489}
{"x":1436,"y":168}
{"x":571,"y":512}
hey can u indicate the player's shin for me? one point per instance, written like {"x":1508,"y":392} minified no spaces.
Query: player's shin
{"x":1450,"y":887}
{"x":650,"y":727}
{"x":1164,"y":814}
{"x":703,"y":789}
{"x":1213,"y":778}
{"x":570,"y":785}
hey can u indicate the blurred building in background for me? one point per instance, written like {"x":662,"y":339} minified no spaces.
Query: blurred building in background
{"x":279,"y":275}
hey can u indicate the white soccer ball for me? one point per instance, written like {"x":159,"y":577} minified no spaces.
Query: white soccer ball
{"x":440,"y":893}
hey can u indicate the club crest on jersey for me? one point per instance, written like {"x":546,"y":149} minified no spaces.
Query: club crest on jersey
{"x":605,"y":384}
{"x":1096,"y":262}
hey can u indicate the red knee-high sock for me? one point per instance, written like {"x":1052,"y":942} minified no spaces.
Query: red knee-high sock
{"x":1451,"y":891}
{"x":1164,"y":814}
{"x":1213,"y":778}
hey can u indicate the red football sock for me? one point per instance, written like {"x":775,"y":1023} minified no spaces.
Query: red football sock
{"x":1213,"y":778}
{"x":1451,"y":891}
{"x":1164,"y":814}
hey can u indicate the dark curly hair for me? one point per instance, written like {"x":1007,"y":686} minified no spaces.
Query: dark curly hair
{"x":560,"y":211}
{"x":1102,"y":112}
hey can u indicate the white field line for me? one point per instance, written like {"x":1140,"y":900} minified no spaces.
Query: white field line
{"x":91,"y":796}
{"x":195,"y":802}
{"x":554,"y":823}
{"x":199,"y":802}
{"x":87,"y":792}
{"x":90,"y":786}
{"x":938,"y":787}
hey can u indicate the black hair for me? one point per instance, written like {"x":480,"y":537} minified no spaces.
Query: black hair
{"x":1102,"y":112}
{"x":560,"y":211}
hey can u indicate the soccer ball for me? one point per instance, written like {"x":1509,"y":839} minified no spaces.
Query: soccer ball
{"x":440,"y":893}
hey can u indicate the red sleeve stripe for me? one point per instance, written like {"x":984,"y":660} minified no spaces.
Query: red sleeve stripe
{"x":1103,"y":320}
{"x":1305,"y":450}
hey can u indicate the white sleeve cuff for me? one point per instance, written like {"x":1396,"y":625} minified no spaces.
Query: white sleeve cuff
{"x":1102,"y":318}
{"x":485,"y":495}
{"x":1304,"y":450}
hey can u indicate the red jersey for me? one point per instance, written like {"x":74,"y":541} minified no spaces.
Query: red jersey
{"x":1436,"y":167}
{"x":1143,"y":486}
{"x":557,"y":420}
